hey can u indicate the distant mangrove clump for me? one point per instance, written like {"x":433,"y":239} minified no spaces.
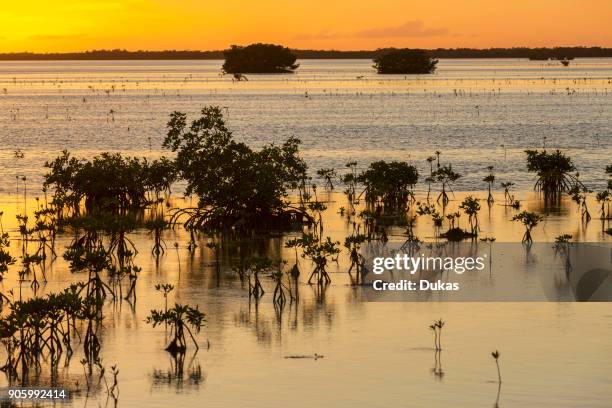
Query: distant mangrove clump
{"x":405,"y":61}
{"x":259,"y":59}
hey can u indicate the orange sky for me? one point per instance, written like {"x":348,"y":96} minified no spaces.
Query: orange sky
{"x":76,"y":25}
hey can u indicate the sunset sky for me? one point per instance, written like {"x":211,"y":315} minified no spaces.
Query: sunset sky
{"x":76,"y":25}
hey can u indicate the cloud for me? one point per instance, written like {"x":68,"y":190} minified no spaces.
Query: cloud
{"x":322,"y":35}
{"x":414,"y":28}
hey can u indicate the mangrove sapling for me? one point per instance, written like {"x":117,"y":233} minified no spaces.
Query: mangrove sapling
{"x":156,"y":226}
{"x":453,"y":219}
{"x":490,"y":241}
{"x":430,"y":209}
{"x":471,"y":207}
{"x":132,"y":273}
{"x":561,"y":247}
{"x":604,"y":198}
{"x":165,"y":289}
{"x":530,"y":220}
{"x":178,"y":256}
{"x":553,"y":171}
{"x":319,"y":252}
{"x":350,"y":181}
{"x":439,"y":325}
{"x":317,"y":208}
{"x":579,"y":196}
{"x":6,"y":259}
{"x":496,"y":355}
{"x":430,"y":178}
{"x":446,"y":177}
{"x":279,"y":298}
{"x":489,"y":179}
{"x":353,"y":245}
{"x":508,"y":198}
{"x":328,"y":175}
{"x":609,"y":173}
{"x":434,"y":329}
{"x":180,"y":318}
{"x":257,"y":266}
{"x":294,"y":243}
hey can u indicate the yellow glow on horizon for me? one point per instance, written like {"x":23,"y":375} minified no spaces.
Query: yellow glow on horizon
{"x":77,"y":25}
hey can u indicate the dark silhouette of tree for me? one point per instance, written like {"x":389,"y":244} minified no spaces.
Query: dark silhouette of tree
{"x":237,"y":187}
{"x":259,"y":59}
{"x":553,"y":170}
{"x":389,"y":183}
{"x":516,"y":52}
{"x":405,"y":61}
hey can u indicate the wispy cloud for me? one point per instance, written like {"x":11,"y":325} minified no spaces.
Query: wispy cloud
{"x":410,"y":29}
{"x":414,"y":28}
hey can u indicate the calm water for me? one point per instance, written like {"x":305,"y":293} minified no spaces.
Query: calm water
{"x":340,"y":109}
{"x":375,"y":354}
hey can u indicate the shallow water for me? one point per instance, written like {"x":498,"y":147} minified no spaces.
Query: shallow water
{"x":340,"y":109}
{"x":375,"y":354}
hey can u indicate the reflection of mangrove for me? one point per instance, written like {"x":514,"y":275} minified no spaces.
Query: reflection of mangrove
{"x":176,"y":375}
{"x":437,"y":368}
{"x":243,"y":196}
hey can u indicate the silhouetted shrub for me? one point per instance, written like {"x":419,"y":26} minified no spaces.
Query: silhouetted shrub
{"x":109,"y":182}
{"x":259,"y":59}
{"x":237,"y":187}
{"x":553,"y":170}
{"x":389,"y":182}
{"x":405,"y":61}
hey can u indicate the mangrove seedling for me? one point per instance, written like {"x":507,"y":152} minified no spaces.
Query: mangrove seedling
{"x":165,"y":289}
{"x":353,"y":244}
{"x":604,"y":198}
{"x":328,"y":175}
{"x":508,"y":198}
{"x":156,"y":226}
{"x":319,"y":252}
{"x":181,"y":319}
{"x":530,"y":220}
{"x":496,"y":355}
{"x":471,"y":207}
{"x":489,"y":179}
{"x":439,"y":324}
{"x":579,"y":196}
{"x":434,"y":329}
{"x":446,"y":177}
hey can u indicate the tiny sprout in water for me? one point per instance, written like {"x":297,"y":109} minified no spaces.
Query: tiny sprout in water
{"x":496,"y":355}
